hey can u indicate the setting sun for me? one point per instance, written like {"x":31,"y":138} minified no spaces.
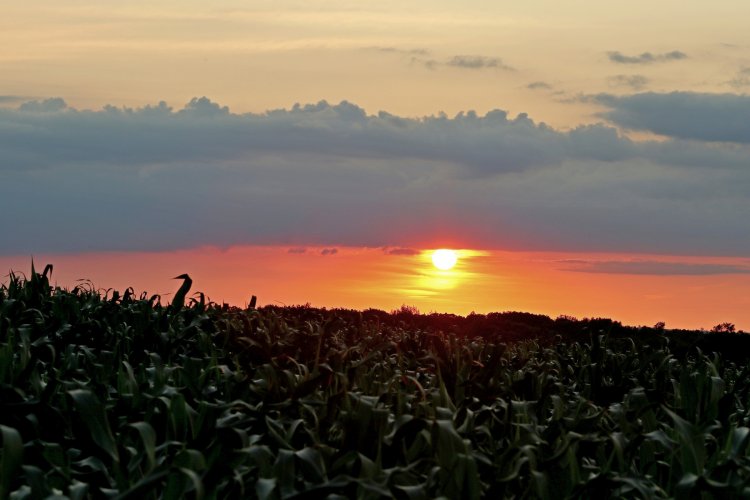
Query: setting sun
{"x":444,"y":259}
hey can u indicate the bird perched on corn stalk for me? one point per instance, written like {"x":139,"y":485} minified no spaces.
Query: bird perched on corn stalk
{"x":179,"y":298}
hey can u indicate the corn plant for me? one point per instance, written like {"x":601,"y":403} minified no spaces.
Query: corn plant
{"x":105,"y":394}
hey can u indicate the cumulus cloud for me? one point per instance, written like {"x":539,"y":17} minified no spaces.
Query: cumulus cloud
{"x":204,"y":131}
{"x":297,"y":250}
{"x":324,"y":175}
{"x":685,"y":115}
{"x":45,"y":106}
{"x":655,"y":268}
{"x":635,"y":82}
{"x":645,"y":57}
{"x":329,"y":251}
{"x":202,"y":106}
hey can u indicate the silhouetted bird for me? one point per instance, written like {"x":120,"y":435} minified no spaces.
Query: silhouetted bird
{"x":179,"y":298}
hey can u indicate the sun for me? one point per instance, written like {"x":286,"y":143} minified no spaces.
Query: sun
{"x":444,"y":259}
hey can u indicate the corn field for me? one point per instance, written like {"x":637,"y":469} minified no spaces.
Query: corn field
{"x":112,"y":395}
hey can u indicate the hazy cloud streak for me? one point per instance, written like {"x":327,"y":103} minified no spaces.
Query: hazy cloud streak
{"x":11,"y":99}
{"x":401,"y":251}
{"x":477,"y":62}
{"x":539,"y":85}
{"x":635,"y":82}
{"x":741,"y":79}
{"x":425,"y":58}
{"x":654,"y":268}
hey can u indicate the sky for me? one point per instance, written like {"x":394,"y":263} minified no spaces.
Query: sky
{"x":563,"y":146}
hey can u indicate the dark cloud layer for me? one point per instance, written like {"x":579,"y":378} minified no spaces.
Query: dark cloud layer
{"x":685,"y":115}
{"x":323,"y":175}
{"x":646,"y":57}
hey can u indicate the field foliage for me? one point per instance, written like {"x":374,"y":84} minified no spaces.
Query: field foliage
{"x":113,"y":395}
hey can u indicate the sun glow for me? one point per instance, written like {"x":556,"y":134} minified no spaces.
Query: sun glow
{"x":444,"y":259}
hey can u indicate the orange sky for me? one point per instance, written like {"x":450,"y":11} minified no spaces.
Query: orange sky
{"x":482,"y":281}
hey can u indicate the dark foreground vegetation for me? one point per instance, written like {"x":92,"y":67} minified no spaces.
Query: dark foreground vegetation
{"x":112,"y":395}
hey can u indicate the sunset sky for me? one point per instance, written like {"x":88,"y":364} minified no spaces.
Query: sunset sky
{"x":587,"y":158}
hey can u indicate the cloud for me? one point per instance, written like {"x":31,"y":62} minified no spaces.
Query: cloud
{"x":325,"y":175}
{"x":654,"y":268}
{"x":635,"y":82}
{"x":11,"y":99}
{"x":646,"y":57}
{"x":539,"y":86}
{"x":426,"y":62}
{"x":401,"y":251}
{"x":297,"y":250}
{"x":476,"y":62}
{"x":425,"y":58}
{"x":46,"y":106}
{"x":397,"y":50}
{"x":685,"y":115}
{"x":329,"y":251}
{"x":205,"y":131}
{"x":741,"y":79}
{"x":203,"y":106}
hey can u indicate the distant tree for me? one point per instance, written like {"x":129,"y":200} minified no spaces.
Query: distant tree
{"x":724,"y":328}
{"x":406,"y":310}
{"x":659,"y":325}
